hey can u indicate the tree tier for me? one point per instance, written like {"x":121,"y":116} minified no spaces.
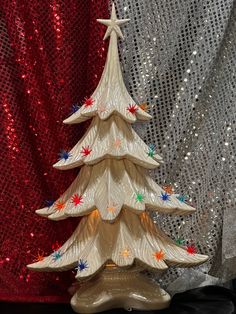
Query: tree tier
{"x":110,"y":185}
{"x":112,"y":138}
{"x":111,"y":95}
{"x":130,"y":238}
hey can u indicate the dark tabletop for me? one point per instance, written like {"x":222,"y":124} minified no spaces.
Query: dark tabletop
{"x":205,"y":300}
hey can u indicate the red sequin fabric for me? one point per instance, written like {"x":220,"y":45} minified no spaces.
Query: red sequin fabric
{"x":52,"y":56}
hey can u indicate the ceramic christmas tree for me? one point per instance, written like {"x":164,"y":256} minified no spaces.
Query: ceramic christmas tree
{"x":116,"y":238}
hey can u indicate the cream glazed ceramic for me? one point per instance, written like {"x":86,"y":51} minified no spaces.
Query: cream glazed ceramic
{"x":113,"y":191}
{"x":112,"y":138}
{"x":125,"y":181}
{"x":131,"y":237}
{"x":119,"y":288}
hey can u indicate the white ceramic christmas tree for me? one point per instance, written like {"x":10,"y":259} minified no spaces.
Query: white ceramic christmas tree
{"x":116,"y":238}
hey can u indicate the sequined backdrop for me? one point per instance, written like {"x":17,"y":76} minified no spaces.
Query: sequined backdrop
{"x":52,"y":55}
{"x":179,"y":56}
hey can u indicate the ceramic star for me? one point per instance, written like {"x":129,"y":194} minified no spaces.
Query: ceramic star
{"x":113,"y":24}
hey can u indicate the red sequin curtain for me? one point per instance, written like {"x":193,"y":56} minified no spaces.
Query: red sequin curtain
{"x":52,"y":55}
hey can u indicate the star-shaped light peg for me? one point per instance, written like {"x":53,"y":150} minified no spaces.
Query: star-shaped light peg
{"x":113,"y":24}
{"x":111,"y":209}
{"x":117,"y":143}
{"x":125,"y":253}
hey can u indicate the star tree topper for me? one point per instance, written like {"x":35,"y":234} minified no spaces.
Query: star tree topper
{"x":113,"y":24}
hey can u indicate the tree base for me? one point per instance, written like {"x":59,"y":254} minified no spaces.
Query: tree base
{"x":119,"y":289}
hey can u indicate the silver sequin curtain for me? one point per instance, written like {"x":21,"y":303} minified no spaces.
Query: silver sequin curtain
{"x":180,"y":58}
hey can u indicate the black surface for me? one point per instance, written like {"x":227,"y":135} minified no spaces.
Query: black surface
{"x":206,"y":300}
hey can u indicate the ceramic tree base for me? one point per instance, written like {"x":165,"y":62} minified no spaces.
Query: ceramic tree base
{"x":123,"y":289}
